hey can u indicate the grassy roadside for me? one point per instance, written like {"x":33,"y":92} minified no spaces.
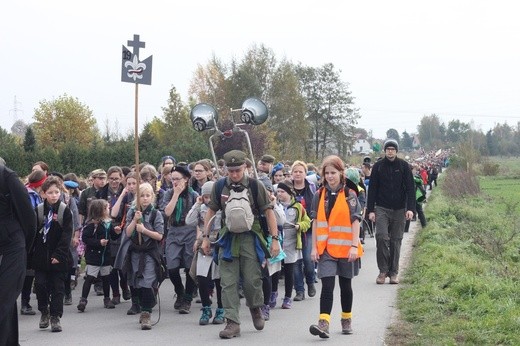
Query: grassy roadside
{"x":462,"y":286}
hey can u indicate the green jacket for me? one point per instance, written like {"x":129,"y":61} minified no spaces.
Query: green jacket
{"x":303,"y":220}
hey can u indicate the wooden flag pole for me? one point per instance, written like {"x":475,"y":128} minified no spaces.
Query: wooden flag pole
{"x":137,"y":72}
{"x":136,"y":148}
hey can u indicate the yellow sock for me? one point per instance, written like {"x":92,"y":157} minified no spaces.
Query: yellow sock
{"x":345,"y":315}
{"x":325,"y":317}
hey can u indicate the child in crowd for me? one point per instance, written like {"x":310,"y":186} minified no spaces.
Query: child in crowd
{"x":120,"y":210}
{"x":144,"y":227}
{"x":297,"y":222}
{"x":71,"y":198}
{"x":96,"y":236}
{"x":206,"y":267}
{"x":49,"y":255}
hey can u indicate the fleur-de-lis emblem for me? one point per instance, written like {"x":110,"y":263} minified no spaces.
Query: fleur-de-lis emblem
{"x":136,"y":68}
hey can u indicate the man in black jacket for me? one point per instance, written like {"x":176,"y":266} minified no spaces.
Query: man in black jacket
{"x":17,"y":227}
{"x":391,"y":201}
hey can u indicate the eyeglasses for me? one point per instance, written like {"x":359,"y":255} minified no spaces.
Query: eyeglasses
{"x":176,"y":179}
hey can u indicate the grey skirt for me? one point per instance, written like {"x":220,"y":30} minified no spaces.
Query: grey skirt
{"x":179,"y":246}
{"x":149,"y":278}
{"x":330,"y":266}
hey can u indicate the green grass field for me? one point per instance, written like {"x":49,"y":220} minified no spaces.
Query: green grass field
{"x":463,"y":284}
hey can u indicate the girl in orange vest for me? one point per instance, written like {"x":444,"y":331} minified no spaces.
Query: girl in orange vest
{"x":335,"y":245}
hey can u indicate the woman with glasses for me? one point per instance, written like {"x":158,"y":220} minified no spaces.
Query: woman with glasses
{"x":180,"y":237}
{"x":168,"y":161}
{"x":201,"y":174}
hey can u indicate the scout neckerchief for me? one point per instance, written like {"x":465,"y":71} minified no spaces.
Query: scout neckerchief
{"x":47,"y":225}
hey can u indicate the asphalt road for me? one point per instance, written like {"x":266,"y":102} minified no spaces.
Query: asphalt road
{"x":373,"y":311}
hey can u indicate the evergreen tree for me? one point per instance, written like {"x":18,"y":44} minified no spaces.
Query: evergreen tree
{"x":29,"y":141}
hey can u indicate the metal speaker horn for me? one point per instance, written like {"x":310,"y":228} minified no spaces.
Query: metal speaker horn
{"x":203,"y":117}
{"x":254,"y":111}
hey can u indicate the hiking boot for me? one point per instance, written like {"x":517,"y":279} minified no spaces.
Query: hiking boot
{"x":108,"y":303}
{"x":321,"y":329}
{"x":126,"y":294}
{"x":178,"y":302}
{"x":299,"y":296}
{"x":184,"y":309}
{"x":82,"y":304}
{"x":134,"y":309}
{"x":67,"y":300}
{"x":272,"y":299}
{"x":266,"y":309}
{"x":145,"y":321}
{"x":27,"y":309}
{"x":311,"y":290}
{"x":232,"y":329}
{"x":219,"y":316}
{"x":44,"y":320}
{"x":381,"y":278}
{"x":393,"y":279}
{"x":258,"y":320}
{"x":287,"y":303}
{"x":346,"y":325}
{"x":206,"y":315}
{"x":55,"y":324}
{"x":116,"y":300}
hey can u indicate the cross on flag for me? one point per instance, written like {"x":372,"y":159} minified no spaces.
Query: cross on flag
{"x":134,"y":70}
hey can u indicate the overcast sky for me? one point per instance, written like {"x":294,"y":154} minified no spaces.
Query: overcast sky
{"x":402,"y":59}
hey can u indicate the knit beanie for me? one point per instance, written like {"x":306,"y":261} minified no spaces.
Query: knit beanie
{"x":391,"y":143}
{"x":207,"y":188}
{"x":287,"y":186}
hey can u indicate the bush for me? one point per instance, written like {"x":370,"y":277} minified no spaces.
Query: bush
{"x":490,"y":169}
{"x":459,"y":183}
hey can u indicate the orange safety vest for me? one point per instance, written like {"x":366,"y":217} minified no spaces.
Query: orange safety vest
{"x":335,"y":235}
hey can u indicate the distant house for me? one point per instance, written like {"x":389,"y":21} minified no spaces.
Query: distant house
{"x":361,"y":146}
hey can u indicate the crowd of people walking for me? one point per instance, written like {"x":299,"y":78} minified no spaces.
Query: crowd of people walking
{"x":234,"y":229}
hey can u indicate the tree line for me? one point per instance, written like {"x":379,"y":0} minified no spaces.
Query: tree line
{"x":311,"y":114}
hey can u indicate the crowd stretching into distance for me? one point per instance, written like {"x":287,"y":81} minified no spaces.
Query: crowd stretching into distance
{"x":119,"y":233}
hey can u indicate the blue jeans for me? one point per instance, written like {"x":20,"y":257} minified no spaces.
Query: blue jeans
{"x":304,"y":266}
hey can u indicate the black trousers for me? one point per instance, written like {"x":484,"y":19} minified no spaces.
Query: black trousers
{"x":50,"y":289}
{"x":12,"y":274}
